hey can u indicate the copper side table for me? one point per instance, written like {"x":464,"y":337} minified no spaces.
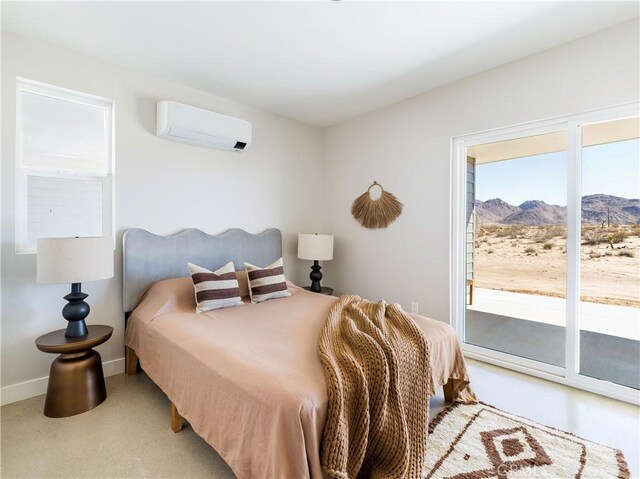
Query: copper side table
{"x":76,"y":381}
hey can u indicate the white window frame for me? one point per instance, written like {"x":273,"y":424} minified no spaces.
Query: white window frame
{"x":569,"y":375}
{"x":108,"y":180}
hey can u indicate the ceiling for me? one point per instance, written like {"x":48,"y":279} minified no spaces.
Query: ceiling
{"x":317,"y":62}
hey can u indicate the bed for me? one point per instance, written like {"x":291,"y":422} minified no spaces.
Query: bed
{"x":248,"y":379}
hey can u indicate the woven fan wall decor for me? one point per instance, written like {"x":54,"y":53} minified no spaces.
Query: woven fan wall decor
{"x":376,"y":212}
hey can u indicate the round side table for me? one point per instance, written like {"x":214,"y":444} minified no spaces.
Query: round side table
{"x":76,"y":381}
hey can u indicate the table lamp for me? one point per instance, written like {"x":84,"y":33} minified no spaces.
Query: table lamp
{"x":75,"y":260}
{"x":315,"y":247}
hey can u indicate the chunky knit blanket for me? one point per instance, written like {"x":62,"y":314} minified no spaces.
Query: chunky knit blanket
{"x":376,"y":363}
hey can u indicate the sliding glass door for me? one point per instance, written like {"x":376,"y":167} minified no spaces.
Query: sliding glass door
{"x":516,"y":268}
{"x":609,"y":317}
{"x":546,"y":251}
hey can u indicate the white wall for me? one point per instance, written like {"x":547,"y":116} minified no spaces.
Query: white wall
{"x":165,"y":186}
{"x":406,"y":148}
{"x":160,"y":185}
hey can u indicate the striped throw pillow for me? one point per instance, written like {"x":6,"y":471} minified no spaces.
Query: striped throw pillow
{"x":267,"y":283}
{"x":215,"y":289}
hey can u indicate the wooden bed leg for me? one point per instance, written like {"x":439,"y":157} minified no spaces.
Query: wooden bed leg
{"x":131,"y":360}
{"x":176,"y":419}
{"x":448,"y":391}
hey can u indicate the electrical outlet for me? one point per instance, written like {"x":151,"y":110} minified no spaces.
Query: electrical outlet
{"x":414,"y":308}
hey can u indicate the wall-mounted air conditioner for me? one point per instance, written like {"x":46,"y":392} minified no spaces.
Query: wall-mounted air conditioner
{"x":195,"y":126}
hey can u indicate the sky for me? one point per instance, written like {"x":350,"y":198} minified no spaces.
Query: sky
{"x":612,"y":169}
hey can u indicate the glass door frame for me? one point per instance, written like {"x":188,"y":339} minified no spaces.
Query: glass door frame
{"x":570,"y":374}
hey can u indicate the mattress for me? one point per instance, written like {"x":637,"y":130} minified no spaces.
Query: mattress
{"x":249,"y":379}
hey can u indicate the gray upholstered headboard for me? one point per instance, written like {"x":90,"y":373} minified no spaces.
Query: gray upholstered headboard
{"x":148,"y":258}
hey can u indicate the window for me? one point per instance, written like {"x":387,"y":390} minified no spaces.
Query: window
{"x":64,"y":164}
{"x":546,"y":249}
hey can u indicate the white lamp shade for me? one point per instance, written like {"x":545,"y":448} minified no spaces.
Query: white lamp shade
{"x":315,"y":247}
{"x":74,"y":260}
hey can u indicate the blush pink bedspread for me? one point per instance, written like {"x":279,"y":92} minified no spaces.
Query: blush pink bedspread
{"x":249,"y":379}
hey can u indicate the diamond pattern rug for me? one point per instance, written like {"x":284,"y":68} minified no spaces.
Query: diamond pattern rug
{"x":478,"y":441}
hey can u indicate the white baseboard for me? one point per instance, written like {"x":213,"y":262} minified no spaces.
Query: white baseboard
{"x":36,"y":387}
{"x":113,"y":367}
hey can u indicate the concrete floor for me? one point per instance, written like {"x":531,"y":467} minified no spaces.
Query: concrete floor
{"x":129,"y":436}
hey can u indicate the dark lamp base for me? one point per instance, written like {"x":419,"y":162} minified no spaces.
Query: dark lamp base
{"x":76,"y":329}
{"x":316,"y":277}
{"x":75,"y":312}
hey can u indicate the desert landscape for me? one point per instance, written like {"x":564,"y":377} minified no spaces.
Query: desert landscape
{"x":523,"y":249}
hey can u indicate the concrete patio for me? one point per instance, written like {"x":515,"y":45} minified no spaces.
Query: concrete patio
{"x":620,"y":321}
{"x":532,"y":326}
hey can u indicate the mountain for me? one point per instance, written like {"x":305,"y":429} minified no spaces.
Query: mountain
{"x":532,"y":204}
{"x":621,"y":210}
{"x":492,"y":211}
{"x":537,"y":212}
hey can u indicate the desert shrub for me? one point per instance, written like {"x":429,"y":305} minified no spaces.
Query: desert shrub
{"x":593,"y":237}
{"x":553,"y":231}
{"x":510,"y":231}
{"x":516,"y":231}
{"x":529,"y":250}
{"x":617,"y":236}
{"x":634,"y":230}
{"x":627,"y":253}
{"x":489,"y":251}
{"x":594,"y":254}
{"x":548,"y":245}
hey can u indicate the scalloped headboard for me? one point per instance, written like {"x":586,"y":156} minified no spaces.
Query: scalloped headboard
{"x":148,"y":258}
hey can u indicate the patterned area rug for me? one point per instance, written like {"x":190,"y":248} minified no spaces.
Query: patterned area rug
{"x":479,"y":441}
